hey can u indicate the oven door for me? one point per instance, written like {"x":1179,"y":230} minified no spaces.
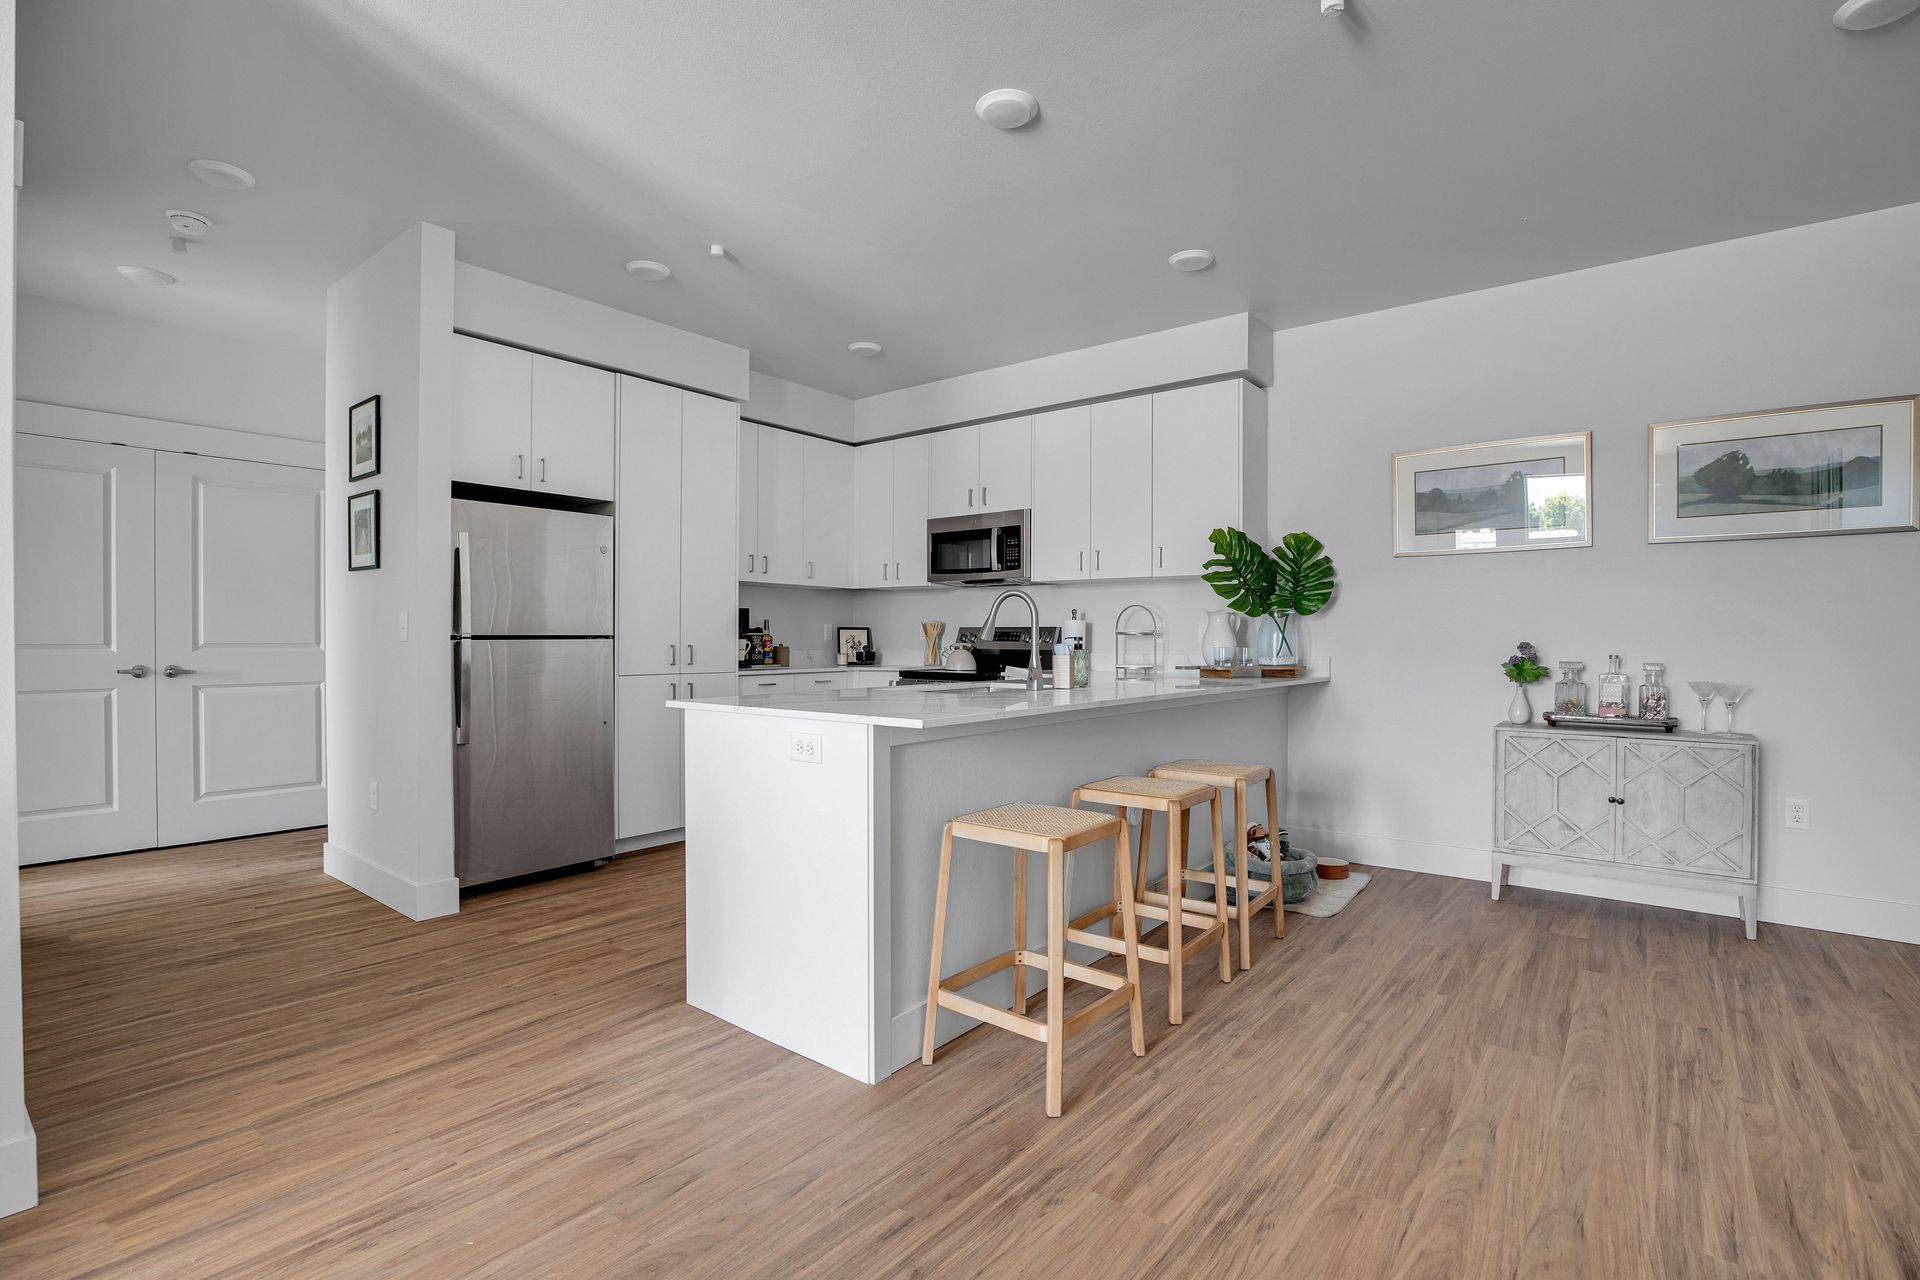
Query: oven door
{"x":977,"y":549}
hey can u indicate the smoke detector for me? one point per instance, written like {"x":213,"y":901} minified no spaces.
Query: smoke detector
{"x":188,"y":223}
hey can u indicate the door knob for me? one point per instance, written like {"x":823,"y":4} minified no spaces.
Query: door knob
{"x":138,"y":671}
{"x":172,"y":672}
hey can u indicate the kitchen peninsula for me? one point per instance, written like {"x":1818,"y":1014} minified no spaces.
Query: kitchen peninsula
{"x":813,"y":831}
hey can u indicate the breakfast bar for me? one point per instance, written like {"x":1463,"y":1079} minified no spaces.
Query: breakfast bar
{"x":813,"y":827}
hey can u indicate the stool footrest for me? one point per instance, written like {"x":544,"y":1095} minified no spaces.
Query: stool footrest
{"x":1116,"y":999}
{"x":1003,"y":1018}
{"x":985,"y":969}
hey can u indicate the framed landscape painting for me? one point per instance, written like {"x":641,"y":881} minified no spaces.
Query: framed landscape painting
{"x":1784,"y":473}
{"x":1504,"y":495}
{"x":363,"y":531}
{"x":363,"y":439}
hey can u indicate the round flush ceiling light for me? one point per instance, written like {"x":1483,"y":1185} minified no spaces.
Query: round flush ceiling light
{"x":1007,"y":108}
{"x":1191,"y":260}
{"x":649,"y":270}
{"x":218,"y":173}
{"x":147,"y":275}
{"x":864,"y":348}
{"x":1865,"y":15}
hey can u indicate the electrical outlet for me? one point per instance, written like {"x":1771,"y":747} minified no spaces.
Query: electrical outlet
{"x":1800,"y":813}
{"x":373,"y":795}
{"x":806,"y":748}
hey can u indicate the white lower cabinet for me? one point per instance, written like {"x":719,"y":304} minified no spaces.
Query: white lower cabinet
{"x":871,"y":679}
{"x":1676,"y":808}
{"x":649,"y":749}
{"x":818,"y":681}
{"x":761,"y":682}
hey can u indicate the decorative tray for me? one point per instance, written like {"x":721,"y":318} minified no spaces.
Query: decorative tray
{"x":1250,"y":672}
{"x":1632,"y":724}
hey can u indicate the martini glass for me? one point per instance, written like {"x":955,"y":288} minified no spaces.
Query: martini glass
{"x":1731,"y":695}
{"x":1705,"y":690}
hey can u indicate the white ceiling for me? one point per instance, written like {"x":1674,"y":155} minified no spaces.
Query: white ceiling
{"x":1410,"y":150}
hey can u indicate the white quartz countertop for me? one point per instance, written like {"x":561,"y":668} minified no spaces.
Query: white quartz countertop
{"x":819,"y":670}
{"x":940,"y":707}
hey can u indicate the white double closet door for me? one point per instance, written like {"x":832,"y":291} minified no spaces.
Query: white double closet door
{"x":170,"y":664}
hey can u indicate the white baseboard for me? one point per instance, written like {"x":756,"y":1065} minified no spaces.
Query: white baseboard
{"x":19,"y":1173}
{"x":1801,"y":908}
{"x":637,"y":844}
{"x":414,"y":899}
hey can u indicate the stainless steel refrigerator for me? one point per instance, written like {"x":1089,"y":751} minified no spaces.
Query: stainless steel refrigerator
{"x":533,"y":689}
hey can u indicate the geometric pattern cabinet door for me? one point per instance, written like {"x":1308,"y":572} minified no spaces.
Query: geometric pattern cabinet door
{"x":1551,"y":795}
{"x":1689,"y":806}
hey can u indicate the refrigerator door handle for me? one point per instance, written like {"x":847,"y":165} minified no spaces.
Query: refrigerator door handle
{"x":462,"y":584}
{"x":462,"y":689}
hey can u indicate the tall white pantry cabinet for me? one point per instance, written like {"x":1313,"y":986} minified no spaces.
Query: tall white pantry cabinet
{"x":1656,"y":808}
{"x":676,"y":596}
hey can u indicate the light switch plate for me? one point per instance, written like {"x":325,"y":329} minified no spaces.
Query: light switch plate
{"x":373,"y":795}
{"x":806,"y":748}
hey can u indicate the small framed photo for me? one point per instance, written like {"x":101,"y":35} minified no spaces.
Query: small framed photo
{"x":1783,"y":473}
{"x":1505,"y":495}
{"x":849,"y":641}
{"x":363,"y":439}
{"x":363,"y":531}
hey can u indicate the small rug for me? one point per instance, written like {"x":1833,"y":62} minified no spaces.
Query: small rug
{"x":1331,"y":895}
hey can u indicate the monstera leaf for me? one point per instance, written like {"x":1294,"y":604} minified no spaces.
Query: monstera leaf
{"x":1303,"y":575}
{"x":1241,"y":572}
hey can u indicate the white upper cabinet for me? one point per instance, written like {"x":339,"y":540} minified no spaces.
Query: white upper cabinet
{"x":782,"y":518}
{"x":827,"y":512}
{"x":531,"y":422}
{"x":571,"y":450}
{"x":1062,"y":495}
{"x":910,"y":470}
{"x":873,"y":515}
{"x":953,"y":472}
{"x":677,"y":531}
{"x":647,"y":537}
{"x":747,"y":498}
{"x":1122,"y":487}
{"x":709,"y":547}
{"x":1006,"y":464}
{"x":1209,"y":470}
{"x":492,"y":413}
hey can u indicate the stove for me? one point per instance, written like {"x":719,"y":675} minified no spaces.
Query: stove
{"x":992,"y":655}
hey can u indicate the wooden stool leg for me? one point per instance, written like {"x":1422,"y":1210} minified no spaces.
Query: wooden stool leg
{"x":1273,"y":840}
{"x":939,"y":935}
{"x":1019,"y":928}
{"x":1242,"y":875}
{"x":1056,"y":972}
{"x":1145,"y":850}
{"x":1219,"y":866}
{"x":1130,"y":932}
{"x":1176,"y":932}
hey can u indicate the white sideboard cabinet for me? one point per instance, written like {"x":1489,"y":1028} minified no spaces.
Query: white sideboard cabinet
{"x":1656,"y":808}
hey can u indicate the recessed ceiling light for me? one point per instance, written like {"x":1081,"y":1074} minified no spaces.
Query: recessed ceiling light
{"x":1191,"y":260}
{"x":1865,"y":15}
{"x":218,"y":173}
{"x":864,"y":348}
{"x":648,"y":270}
{"x":147,"y":275}
{"x":1007,"y":108}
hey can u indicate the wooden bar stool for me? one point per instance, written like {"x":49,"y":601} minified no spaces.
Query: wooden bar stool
{"x":1224,"y":776}
{"x":1056,"y":832}
{"x":1177,"y":800}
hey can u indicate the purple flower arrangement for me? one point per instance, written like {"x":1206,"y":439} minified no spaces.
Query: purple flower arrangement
{"x":1524,"y":667}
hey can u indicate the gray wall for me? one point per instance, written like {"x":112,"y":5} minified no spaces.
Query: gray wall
{"x":1393,"y":763}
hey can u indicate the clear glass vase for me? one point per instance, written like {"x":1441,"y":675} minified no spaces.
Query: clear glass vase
{"x":1289,"y":640}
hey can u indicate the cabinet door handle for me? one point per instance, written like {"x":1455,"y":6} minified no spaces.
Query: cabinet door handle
{"x":1096,"y":559}
{"x":809,"y":568}
{"x":1163,"y":558}
{"x":519,"y":466}
{"x":673,"y":693}
{"x":969,"y":497}
{"x":896,"y":571}
{"x":690,"y":693}
{"x":749,"y":563}
{"x":763,"y":564}
{"x":983,"y":495}
{"x":883,"y":570}
{"x":1083,"y":562}
{"x":543,"y":471}
{"x":689,"y":655}
{"x":671,"y":651}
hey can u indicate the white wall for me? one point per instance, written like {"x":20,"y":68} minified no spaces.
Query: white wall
{"x":780,"y":403}
{"x":1393,"y":762}
{"x":389,"y":701}
{"x":92,"y":359}
{"x":19,"y":1183}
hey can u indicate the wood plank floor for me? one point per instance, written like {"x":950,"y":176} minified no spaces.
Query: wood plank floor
{"x":241,"y":1068}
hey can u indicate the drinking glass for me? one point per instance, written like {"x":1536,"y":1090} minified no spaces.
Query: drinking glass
{"x":1705,"y":691}
{"x":1731,"y":695}
{"x":1222,"y":655}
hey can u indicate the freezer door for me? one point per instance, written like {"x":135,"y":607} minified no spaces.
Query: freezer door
{"x":526,"y":571}
{"x":533,"y":782}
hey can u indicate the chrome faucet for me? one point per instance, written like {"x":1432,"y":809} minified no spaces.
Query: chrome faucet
{"x":986,"y":629}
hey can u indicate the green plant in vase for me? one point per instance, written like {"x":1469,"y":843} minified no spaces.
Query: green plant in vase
{"x":1293,"y":581}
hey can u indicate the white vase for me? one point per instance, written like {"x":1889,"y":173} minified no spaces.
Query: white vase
{"x":1520,"y":711}
{"x":1218,"y":635}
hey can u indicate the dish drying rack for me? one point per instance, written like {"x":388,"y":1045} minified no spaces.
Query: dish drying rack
{"x":1123,"y":667}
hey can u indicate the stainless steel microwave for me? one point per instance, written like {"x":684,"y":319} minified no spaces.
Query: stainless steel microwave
{"x":988,"y":548}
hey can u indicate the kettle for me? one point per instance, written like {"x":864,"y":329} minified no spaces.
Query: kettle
{"x":960,"y":658}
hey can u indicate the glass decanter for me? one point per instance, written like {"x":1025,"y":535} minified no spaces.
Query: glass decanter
{"x":1614,"y":688}
{"x":1653,"y":691}
{"x":1570,"y":691}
